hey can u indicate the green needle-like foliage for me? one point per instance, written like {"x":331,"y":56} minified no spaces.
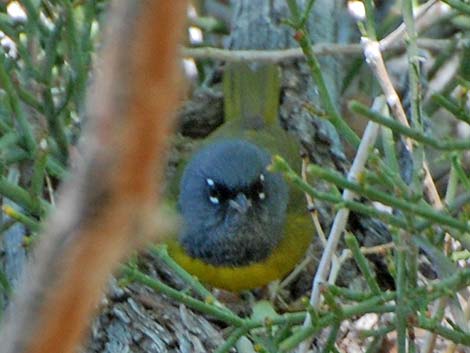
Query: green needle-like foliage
{"x":46,"y":58}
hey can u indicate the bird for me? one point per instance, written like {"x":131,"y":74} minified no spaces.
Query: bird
{"x":243,"y":225}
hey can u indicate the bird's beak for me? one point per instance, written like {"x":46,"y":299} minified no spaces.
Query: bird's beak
{"x":240,"y":203}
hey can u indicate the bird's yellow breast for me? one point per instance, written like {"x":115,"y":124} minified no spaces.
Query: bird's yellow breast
{"x":298,"y":233}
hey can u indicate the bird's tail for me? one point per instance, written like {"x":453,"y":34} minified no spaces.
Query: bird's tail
{"x":251,"y":94}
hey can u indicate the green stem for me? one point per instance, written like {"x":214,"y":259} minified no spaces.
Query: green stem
{"x":54,"y":119}
{"x":441,"y":59}
{"x":458,"y":337}
{"x":14,"y":101}
{"x":464,"y":179}
{"x":413,"y":63}
{"x":33,"y":17}
{"x":30,"y":100}
{"x":14,"y":155}
{"x":415,"y":92}
{"x":280,"y":165}
{"x":21,"y":197}
{"x":453,"y":182}
{"x":452,"y":106}
{"x":37,"y":180}
{"x":306,"y":14}
{"x":378,"y":332}
{"x":209,"y":24}
{"x":222,"y":314}
{"x":232,"y":340}
{"x":446,"y":287}
{"x":391,"y":160}
{"x":331,"y":302}
{"x":8,"y":140}
{"x":401,"y":308}
{"x":415,"y":134}
{"x":76,"y":54}
{"x":349,"y":294}
{"x":53,"y":166}
{"x":31,"y":223}
{"x":303,"y":38}
{"x":375,"y":304}
{"x":8,"y":28}
{"x":421,"y":209}
{"x":362,"y":262}
{"x":133,"y":274}
{"x":161,"y":252}
{"x":459,"y":5}
{"x":56,"y":169}
{"x":370,"y":21}
{"x":330,"y":342}
{"x":431,"y":106}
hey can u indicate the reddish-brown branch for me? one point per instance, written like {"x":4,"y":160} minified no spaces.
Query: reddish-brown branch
{"x":104,"y":209}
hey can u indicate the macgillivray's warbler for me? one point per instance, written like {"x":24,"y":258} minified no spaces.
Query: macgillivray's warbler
{"x":243,"y":225}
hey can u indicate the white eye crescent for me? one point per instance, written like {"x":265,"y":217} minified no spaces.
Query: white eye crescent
{"x":262,"y":195}
{"x":213,"y":193}
{"x":214,"y":200}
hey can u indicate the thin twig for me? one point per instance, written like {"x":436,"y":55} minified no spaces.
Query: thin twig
{"x":311,"y":204}
{"x":319,"y":49}
{"x":368,"y":140}
{"x":318,"y":230}
{"x":412,"y":133}
{"x":375,"y":61}
{"x":425,"y":16}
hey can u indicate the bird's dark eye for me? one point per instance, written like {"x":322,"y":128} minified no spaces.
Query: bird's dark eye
{"x":257,"y":191}
{"x":217,"y":193}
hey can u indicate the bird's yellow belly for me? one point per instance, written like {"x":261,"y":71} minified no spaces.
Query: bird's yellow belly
{"x":298,"y":235}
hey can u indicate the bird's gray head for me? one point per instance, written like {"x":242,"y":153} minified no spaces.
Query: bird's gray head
{"x":232,"y":207}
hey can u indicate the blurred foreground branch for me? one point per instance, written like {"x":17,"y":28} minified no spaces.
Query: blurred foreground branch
{"x":104,"y":209}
